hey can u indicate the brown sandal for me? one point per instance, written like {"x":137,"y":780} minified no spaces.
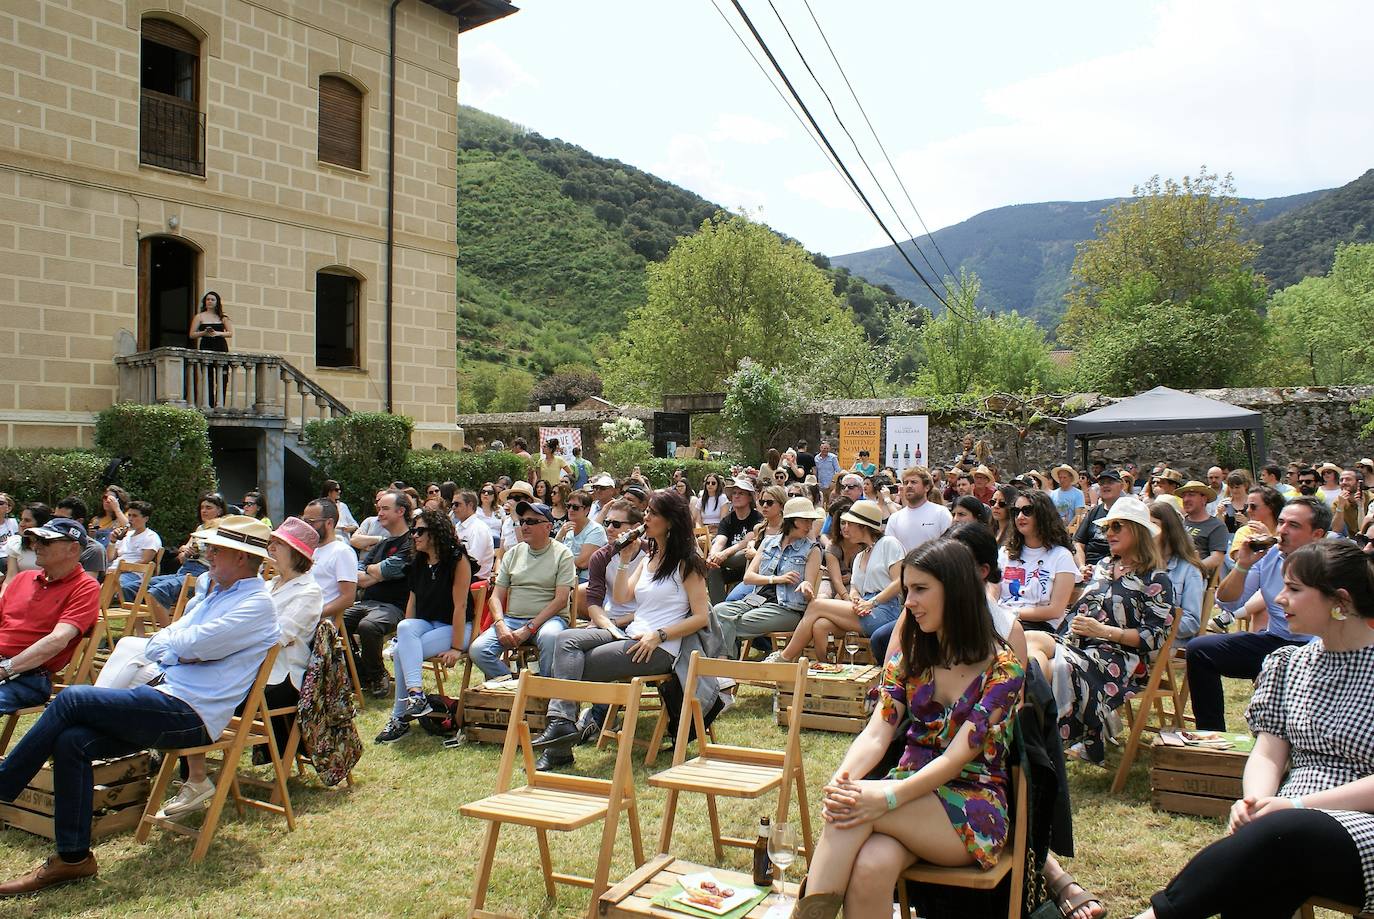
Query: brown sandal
{"x":1067,"y":904}
{"x":816,"y":905}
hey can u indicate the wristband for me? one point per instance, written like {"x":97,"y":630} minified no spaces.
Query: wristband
{"x":1243,"y":569}
{"x":891,"y":799}
{"x":1297,"y":802}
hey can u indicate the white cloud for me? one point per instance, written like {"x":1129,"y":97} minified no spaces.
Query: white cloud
{"x":488,"y":73}
{"x":692,"y":163}
{"x":745,"y":129}
{"x":827,"y":188}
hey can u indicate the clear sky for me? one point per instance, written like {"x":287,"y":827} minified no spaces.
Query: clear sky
{"x":979,"y":105}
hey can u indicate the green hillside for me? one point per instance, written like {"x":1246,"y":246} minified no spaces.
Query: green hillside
{"x":1023,"y":253}
{"x":1302,"y":243}
{"x":553,"y":242}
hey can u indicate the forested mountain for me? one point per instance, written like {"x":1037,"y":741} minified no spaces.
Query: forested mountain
{"x":553,"y":241}
{"x":1023,"y":252}
{"x":1301,"y":242}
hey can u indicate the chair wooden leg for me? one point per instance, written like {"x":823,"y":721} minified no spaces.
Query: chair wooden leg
{"x":156,"y":796}
{"x":483,"y":877}
{"x":602,"y":878}
{"x":546,"y":862}
{"x":228,"y":777}
{"x":11,"y":722}
{"x":439,"y":678}
{"x":348,"y":656}
{"x":660,"y":728}
{"x":636,"y":837}
{"x":1132,"y":747}
{"x":903,"y":905}
{"x":280,"y":795}
{"x":608,"y":731}
{"x":804,"y":815}
{"x":665,"y":836}
{"x":715,"y":826}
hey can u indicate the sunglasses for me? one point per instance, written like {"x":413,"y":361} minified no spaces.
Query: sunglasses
{"x":1025,"y":510}
{"x":420,"y":531}
{"x":532,"y":521}
{"x":488,"y":491}
{"x":847,"y":487}
{"x":767,"y":502}
{"x":1116,"y":526}
{"x":577,"y":507}
{"x":999,"y":504}
{"x":617,"y":524}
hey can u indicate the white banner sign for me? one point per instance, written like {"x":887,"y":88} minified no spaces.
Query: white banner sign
{"x":907,"y":442}
{"x":567,"y":439}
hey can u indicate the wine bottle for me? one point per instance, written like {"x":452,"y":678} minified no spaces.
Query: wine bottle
{"x":763,"y":871}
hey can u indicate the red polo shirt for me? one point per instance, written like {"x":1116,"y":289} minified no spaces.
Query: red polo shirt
{"x":32,"y":606}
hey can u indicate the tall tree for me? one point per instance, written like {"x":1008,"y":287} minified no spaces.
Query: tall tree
{"x":1323,"y":328}
{"x":730,"y":291}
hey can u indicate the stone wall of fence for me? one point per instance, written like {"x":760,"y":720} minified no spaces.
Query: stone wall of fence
{"x":1303,"y":423}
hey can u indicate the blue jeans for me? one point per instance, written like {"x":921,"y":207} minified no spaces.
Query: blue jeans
{"x":25,"y":691}
{"x":485,"y":649}
{"x":85,"y":723}
{"x":128,"y":585}
{"x":740,"y":591}
{"x":882,"y":614}
{"x":417,"y":640}
{"x":877,"y":642}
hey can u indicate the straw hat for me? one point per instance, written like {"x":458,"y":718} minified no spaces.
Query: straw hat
{"x":1330,"y":467}
{"x":299,"y":535}
{"x":801,"y":508}
{"x":517,"y":490}
{"x":1172,"y":475}
{"x":250,"y":537}
{"x":866,"y":513}
{"x":1201,"y":488}
{"x":1130,"y":508}
{"x":985,"y":471}
{"x":1064,"y":467}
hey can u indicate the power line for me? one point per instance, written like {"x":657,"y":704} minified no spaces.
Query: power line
{"x":749,"y":23}
{"x":855,"y":144}
{"x":897,"y":175}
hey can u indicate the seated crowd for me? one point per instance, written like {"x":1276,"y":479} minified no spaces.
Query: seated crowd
{"x":966,"y":584}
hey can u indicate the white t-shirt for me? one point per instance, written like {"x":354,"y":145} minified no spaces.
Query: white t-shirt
{"x":476,"y":537}
{"x":912,"y":526}
{"x":1002,"y":619}
{"x":613,"y":609}
{"x":1029,"y":580}
{"x":346,"y":521}
{"x":335,"y":561}
{"x":659,"y":604}
{"x":132,"y":547}
{"x":870,"y":572}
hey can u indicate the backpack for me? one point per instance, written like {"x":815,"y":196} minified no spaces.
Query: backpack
{"x":443,"y":721}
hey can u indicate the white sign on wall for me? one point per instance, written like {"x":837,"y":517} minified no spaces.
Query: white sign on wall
{"x":567,"y":439}
{"x":907,"y":442}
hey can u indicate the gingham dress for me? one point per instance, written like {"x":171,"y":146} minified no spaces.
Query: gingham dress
{"x":1322,"y":703}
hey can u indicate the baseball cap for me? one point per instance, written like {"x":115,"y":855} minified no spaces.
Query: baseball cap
{"x":1111,"y":475}
{"x":60,"y":528}
{"x":543,"y":510}
{"x":602,"y":481}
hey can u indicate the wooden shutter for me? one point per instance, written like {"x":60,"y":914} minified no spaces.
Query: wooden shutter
{"x":171,"y":35}
{"x":341,"y":123}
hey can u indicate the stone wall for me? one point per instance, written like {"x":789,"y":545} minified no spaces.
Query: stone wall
{"x":506,"y":426}
{"x":1308,"y":423}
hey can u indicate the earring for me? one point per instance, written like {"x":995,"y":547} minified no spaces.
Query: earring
{"x":1337,"y":615}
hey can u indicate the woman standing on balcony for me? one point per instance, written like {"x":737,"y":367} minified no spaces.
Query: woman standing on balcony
{"x":211,"y":329}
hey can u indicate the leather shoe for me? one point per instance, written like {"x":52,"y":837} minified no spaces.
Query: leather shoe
{"x":560,"y":733}
{"x":52,"y":872}
{"x":549,"y":761}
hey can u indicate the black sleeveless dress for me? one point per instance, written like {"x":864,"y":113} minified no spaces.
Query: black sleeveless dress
{"x":212,"y":343}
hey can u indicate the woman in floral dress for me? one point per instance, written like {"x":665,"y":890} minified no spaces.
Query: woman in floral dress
{"x":946,"y":800}
{"x":1114,"y":631}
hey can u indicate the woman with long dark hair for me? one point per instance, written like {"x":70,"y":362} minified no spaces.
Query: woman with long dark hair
{"x":211,"y":329}
{"x":1038,"y":569}
{"x":945,"y":802}
{"x":1305,"y":824}
{"x":840,"y":553}
{"x":1003,"y":508}
{"x":438,"y":620}
{"x":668,"y":588}
{"x":708,"y":505}
{"x":968,"y":509}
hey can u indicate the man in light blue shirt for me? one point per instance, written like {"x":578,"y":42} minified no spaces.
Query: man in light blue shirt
{"x":1258,"y":576}
{"x":208,"y":660}
{"x":827,"y":466}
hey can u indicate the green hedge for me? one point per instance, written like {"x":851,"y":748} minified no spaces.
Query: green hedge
{"x":469,"y":470}
{"x":51,"y":475}
{"x":169,"y":453}
{"x":620,"y":459}
{"x":363,"y":452}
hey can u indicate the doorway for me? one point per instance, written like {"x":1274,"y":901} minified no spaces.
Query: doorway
{"x":168,"y":269}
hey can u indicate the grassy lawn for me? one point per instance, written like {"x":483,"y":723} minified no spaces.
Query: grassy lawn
{"x":395,"y":845}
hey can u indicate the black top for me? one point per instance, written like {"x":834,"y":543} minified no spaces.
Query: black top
{"x":433,"y":588}
{"x":209,"y":343}
{"x":733,"y":528}
{"x":394,"y":591}
{"x":1091,"y":536}
{"x":807,"y":461}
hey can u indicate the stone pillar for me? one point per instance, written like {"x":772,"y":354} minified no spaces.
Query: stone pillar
{"x":272,"y":471}
{"x":170,"y":366}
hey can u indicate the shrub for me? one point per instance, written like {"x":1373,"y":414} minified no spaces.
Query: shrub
{"x":363,"y":452}
{"x":620,"y":457}
{"x":660,"y":471}
{"x":622,"y":430}
{"x":169,"y":461}
{"x":469,"y":470}
{"x":51,"y":475}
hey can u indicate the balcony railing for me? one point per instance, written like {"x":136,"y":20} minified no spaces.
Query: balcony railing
{"x":171,"y":133}
{"x":232,"y":388}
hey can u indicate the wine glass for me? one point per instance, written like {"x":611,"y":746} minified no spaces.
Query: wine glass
{"x":851,"y":646}
{"x":782,"y":852}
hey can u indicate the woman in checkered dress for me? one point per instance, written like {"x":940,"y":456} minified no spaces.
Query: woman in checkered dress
{"x":1305,"y":827}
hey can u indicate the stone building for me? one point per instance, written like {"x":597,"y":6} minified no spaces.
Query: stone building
{"x":153,"y":150}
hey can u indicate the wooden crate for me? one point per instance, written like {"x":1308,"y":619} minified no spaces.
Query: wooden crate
{"x":835,"y":701}
{"x":487,"y":711}
{"x":1195,"y":780}
{"x":121,"y":792}
{"x":633,"y":897}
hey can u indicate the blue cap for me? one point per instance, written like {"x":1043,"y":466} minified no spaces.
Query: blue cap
{"x":60,"y":528}
{"x":543,"y":510}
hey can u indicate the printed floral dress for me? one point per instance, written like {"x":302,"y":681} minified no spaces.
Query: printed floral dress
{"x":976,"y":801}
{"x":1093,"y":676}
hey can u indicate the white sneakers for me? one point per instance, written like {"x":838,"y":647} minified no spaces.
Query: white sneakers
{"x":192,"y":797}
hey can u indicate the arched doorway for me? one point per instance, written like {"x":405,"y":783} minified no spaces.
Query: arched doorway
{"x":168,"y":274}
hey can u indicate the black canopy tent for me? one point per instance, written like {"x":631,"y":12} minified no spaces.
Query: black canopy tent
{"x":1167,"y":411}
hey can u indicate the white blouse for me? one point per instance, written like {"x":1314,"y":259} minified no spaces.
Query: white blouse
{"x":298,"y":602}
{"x":659,"y":604}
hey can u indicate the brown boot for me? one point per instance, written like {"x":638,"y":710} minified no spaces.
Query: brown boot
{"x":816,"y":905}
{"x":52,"y":872}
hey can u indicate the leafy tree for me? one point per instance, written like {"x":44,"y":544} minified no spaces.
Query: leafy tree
{"x":731,"y":291}
{"x":759,"y":402}
{"x":569,"y":384}
{"x":1323,"y":328}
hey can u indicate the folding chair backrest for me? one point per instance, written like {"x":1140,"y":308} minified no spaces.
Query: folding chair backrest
{"x":789,"y":675}
{"x":78,"y":669}
{"x":188,"y":586}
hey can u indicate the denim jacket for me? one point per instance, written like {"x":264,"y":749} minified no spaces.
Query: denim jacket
{"x":793,"y":558}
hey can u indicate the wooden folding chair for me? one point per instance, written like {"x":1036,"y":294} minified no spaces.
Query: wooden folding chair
{"x":557,"y":802}
{"x":1322,"y":903}
{"x":1178,"y":661}
{"x":609,"y":732}
{"x":348,"y":654}
{"x":77,"y":671}
{"x":232,"y":742}
{"x":433,"y":664}
{"x":1151,"y":715}
{"x":188,"y":588}
{"x":1011,"y":862}
{"x":736,"y":772}
{"x":123,"y":617}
